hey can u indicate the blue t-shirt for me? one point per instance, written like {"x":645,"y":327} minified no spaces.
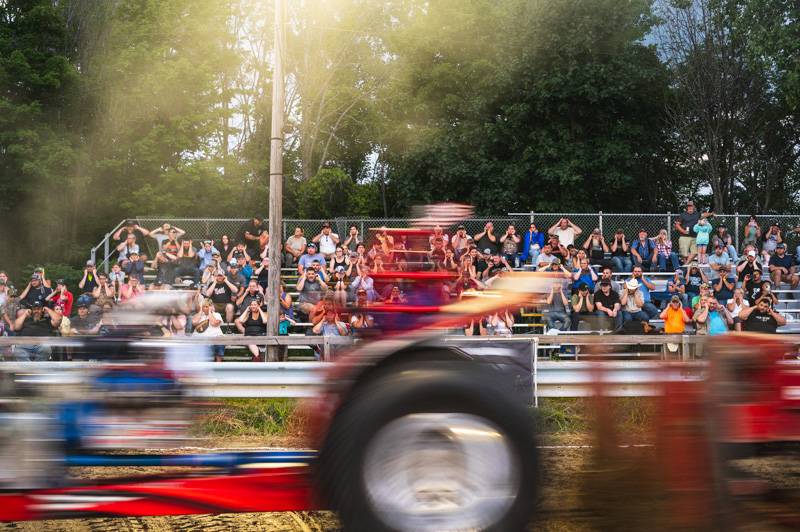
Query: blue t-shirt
{"x":645,"y":250}
{"x":716,"y":325}
{"x":645,"y":290}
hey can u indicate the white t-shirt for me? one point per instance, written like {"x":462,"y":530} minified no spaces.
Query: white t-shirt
{"x":565,"y":236}
{"x":211,"y":330}
{"x":326,"y":244}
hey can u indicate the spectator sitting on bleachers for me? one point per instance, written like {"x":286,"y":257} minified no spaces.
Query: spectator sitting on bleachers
{"x":666,"y":258}
{"x":37,"y":320}
{"x":165,"y":232}
{"x":532,"y":244}
{"x":748,"y":265}
{"x":559,"y":250}
{"x":250,"y":236}
{"x":4,"y":289}
{"x":486,"y":241}
{"x":222,"y":293}
{"x":695,"y":278}
{"x":643,"y":251}
{"x":131,"y":228}
{"x":764,"y":290}
{"x":496,"y":264}
{"x":582,"y":306}
{"x":735,"y":306}
{"x":61,"y":296}
{"x":327,"y":241}
{"x":675,"y":317}
{"x":35,"y":292}
{"x":460,"y":242}
{"x":321,"y":272}
{"x":206,"y":255}
{"x":751,"y":285}
{"x":116,"y":277}
{"x":236,"y":278}
{"x":724,"y":286}
{"x":500,"y":324}
{"x":294,"y":247}
{"x":88,"y":282}
{"x":782,"y":268}
{"x":131,"y":290}
{"x":676,"y":287}
{"x":556,"y":312}
{"x":364,"y":281}
{"x":261,"y":274}
{"x":761,"y":317}
{"x":772,"y":238}
{"x":353,"y":240}
{"x":711,"y":318}
{"x":307,"y":259}
{"x":360,"y":317}
{"x":340,"y":259}
{"x":584,"y":274}
{"x":245,"y":268}
{"x":752,"y":232}
{"x":510,"y":242}
{"x":544,"y":258}
{"x":104,"y":292}
{"x":127,"y":247}
{"x":338,"y":284}
{"x":607,"y":274}
{"x":438,"y":233}
{"x":134,"y":266}
{"x":620,"y":253}
{"x":167,"y":258}
{"x":632,"y":302}
{"x":208,"y":323}
{"x":723,"y":238}
{"x":253,"y":322}
{"x":607,"y":305}
{"x":330,"y":325}
{"x":85,"y":323}
{"x":705,"y":292}
{"x":251,"y":293}
{"x":311,"y":289}
{"x":646,"y":287}
{"x":239,"y":250}
{"x":596,"y":247}
{"x":566,"y":231}
{"x":716,"y":260}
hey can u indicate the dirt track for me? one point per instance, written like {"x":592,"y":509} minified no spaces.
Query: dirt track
{"x":618,"y":498}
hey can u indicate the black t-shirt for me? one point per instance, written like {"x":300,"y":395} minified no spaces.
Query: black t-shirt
{"x":481,"y":266}
{"x":762,"y":322}
{"x":42,"y":327}
{"x":782,"y":262}
{"x":138,"y":234}
{"x":253,"y":326}
{"x":484,"y":243}
{"x":254,"y":230}
{"x":748,"y":269}
{"x":609,"y":300}
{"x":222,"y":293}
{"x":84,"y":325}
{"x":91,"y":282}
{"x":688,"y":221}
{"x":36,"y":294}
{"x":188,"y":261}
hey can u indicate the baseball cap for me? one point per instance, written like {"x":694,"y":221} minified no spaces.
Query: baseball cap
{"x":312,"y":245}
{"x":751,"y":253}
{"x":340,"y":269}
{"x":583,"y":286}
{"x":781,"y":245}
{"x":690,"y":202}
{"x":461,"y":227}
{"x":704,"y":285}
{"x":605,"y":283}
{"x":61,"y":281}
{"x":326,"y":224}
{"x":90,"y":263}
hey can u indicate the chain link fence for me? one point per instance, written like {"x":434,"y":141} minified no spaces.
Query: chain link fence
{"x":608,"y":223}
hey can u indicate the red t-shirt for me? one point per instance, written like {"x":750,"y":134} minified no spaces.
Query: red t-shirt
{"x":65,"y":300}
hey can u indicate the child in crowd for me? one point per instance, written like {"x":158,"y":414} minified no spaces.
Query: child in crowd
{"x":703,"y":230}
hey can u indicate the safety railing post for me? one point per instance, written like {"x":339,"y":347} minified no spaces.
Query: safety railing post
{"x":684,"y":347}
{"x":106,"y":252}
{"x":326,"y":348}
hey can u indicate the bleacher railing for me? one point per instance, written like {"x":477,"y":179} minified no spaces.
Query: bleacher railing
{"x":630,"y":223}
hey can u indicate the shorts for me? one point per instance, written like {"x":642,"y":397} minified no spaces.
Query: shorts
{"x":687,"y":245}
{"x":220,"y":307}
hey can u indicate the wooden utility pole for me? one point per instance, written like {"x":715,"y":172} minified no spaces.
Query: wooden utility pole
{"x":276,"y":185}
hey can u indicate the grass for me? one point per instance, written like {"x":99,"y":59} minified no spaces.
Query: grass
{"x":251,"y":417}
{"x":277,"y":417}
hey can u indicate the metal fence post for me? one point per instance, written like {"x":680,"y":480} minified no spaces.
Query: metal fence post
{"x":684,"y":348}
{"x":669,"y":225}
{"x":535,"y":364}
{"x":106,"y":252}
{"x":600,"y":221}
{"x":94,"y":255}
{"x":285,"y":232}
{"x":326,"y":348}
{"x":736,"y":230}
{"x":533,"y":216}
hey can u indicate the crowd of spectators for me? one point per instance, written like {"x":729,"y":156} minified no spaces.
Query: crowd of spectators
{"x":712,"y":287}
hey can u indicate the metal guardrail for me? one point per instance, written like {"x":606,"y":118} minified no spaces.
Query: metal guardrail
{"x":302,"y":379}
